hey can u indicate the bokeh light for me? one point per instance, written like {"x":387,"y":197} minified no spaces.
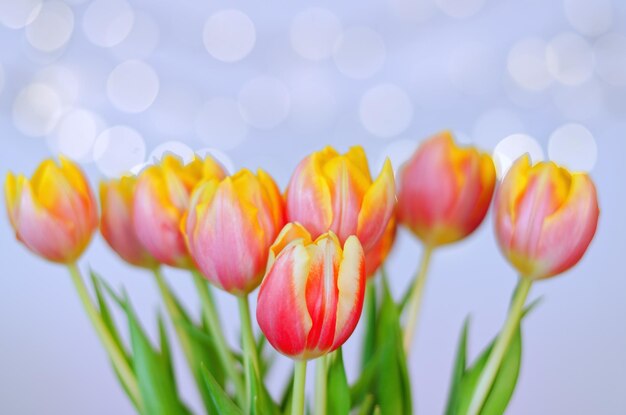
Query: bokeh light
{"x":36,"y":110}
{"x":494,"y":125}
{"x":174,"y":110}
{"x":141,"y":41}
{"x":313,"y":105}
{"x":590,"y":18}
{"x":76,"y":133}
{"x":610,"y":56}
{"x":313,"y":33}
{"x":569,"y":58}
{"x":63,"y":80}
{"x":264,"y":102}
{"x":573,"y":146}
{"x":220,"y":124}
{"x":52,"y":27}
{"x":527,"y":64}
{"x":16,"y":14}
{"x":512,"y":148}
{"x":229,"y":35}
{"x":359,"y":52}
{"x":385,"y":110}
{"x":132,"y":86}
{"x":118,"y":149}
{"x":106,"y":23}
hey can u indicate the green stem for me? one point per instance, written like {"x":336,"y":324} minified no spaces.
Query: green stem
{"x":486,"y":379}
{"x":250,"y":355}
{"x":117,"y":356}
{"x":299,"y":380}
{"x":415,"y":301}
{"x":210,"y":314}
{"x":369,"y":320}
{"x":321,"y":380}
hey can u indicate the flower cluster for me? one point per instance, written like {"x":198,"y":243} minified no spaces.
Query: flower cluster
{"x":313,"y":250}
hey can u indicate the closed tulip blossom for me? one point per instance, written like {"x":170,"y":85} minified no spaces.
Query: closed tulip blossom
{"x":444,"y":194}
{"x":116,"y":222}
{"x":162,"y":196}
{"x":445,"y":190}
{"x":54,"y":214}
{"x":545,"y":217}
{"x":329,"y":191}
{"x":231,"y":225}
{"x":312,"y":295}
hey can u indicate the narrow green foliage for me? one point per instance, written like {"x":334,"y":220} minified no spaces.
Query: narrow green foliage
{"x":338,"y":390}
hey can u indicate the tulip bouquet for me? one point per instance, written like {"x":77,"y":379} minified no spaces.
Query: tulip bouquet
{"x":316,"y":251}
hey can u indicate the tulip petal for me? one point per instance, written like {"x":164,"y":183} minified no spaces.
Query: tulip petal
{"x":567,"y":233}
{"x":348,"y":185}
{"x":377,"y":208}
{"x":292,"y":231}
{"x":229,"y":245}
{"x":351,"y":287}
{"x":275,"y":199}
{"x":309,"y":197}
{"x":281,"y":308}
{"x":357,"y":156}
{"x":321,"y":294}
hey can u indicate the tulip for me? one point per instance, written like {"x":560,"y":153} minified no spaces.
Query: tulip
{"x":445,"y":193}
{"x":54,"y":214}
{"x":378,"y":254}
{"x":162,"y":196}
{"x":545,"y":217}
{"x":116,"y":222}
{"x":230,"y":226}
{"x":312,"y":295}
{"x":335,"y":192}
{"x":445,"y":190}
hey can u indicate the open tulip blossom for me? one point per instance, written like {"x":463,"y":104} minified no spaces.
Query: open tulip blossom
{"x":317,"y":251}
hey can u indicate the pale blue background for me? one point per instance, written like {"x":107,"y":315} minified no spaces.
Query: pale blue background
{"x":574,"y":358}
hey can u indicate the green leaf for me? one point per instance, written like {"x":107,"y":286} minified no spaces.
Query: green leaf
{"x":220,"y":399}
{"x":459,"y":370}
{"x":504,"y":382}
{"x":157,"y":384}
{"x":107,"y":317}
{"x":367,"y":405}
{"x":369,"y":338}
{"x":393,"y":389}
{"x":366,"y":382}
{"x":338,"y":391}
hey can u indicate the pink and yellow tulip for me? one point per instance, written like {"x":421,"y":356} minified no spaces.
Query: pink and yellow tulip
{"x":230,"y":226}
{"x":54,"y":214}
{"x":116,"y":222}
{"x":545,"y":217}
{"x":312,"y":295}
{"x":329,"y":191}
{"x":162,"y":196}
{"x":445,"y":190}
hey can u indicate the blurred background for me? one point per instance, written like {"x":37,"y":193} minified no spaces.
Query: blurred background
{"x":114,"y":84}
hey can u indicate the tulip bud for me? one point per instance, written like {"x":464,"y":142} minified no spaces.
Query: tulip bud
{"x":335,"y":192}
{"x":116,"y":222}
{"x":445,"y":190}
{"x":230,"y":226}
{"x":378,"y":254}
{"x":54,"y":214}
{"x":545,"y":217}
{"x":312,"y":295}
{"x":162,"y":196}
